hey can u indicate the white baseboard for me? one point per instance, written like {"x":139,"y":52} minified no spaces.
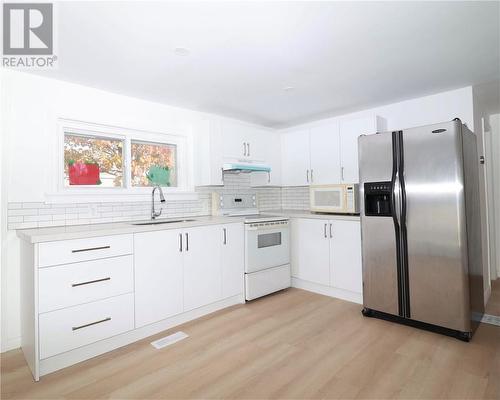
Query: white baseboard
{"x":11,"y":344}
{"x":63,"y":360}
{"x":328,"y":291}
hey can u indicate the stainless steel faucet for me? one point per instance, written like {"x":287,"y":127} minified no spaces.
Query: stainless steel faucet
{"x":154,"y":213}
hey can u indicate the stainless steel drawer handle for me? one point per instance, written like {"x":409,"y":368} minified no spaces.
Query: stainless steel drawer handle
{"x":89,"y":282}
{"x":324,"y":231}
{"x":91,"y":249}
{"x":75,"y":328}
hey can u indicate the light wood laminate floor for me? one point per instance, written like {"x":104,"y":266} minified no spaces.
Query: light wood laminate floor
{"x":290,"y":345}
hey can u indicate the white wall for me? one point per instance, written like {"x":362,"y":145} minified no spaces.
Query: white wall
{"x":417,"y":112}
{"x":494,"y":121}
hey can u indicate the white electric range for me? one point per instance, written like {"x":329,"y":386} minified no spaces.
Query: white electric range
{"x":267,"y":244}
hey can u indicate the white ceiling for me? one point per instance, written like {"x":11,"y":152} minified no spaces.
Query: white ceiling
{"x":338,"y":56}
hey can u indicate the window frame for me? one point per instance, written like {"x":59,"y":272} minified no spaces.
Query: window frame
{"x":127,"y":191}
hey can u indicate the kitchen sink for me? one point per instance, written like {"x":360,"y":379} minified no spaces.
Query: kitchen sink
{"x":164,"y":222}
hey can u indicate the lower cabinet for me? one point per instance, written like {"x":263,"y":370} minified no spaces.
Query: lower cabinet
{"x":311,"y":250}
{"x":182,"y":269}
{"x":345,"y":256}
{"x":202,"y":266}
{"x":158,"y":275}
{"x":233,"y":259}
{"x":327,"y":252}
{"x":83,"y":297}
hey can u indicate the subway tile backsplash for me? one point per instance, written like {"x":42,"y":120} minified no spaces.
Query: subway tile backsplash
{"x":39,"y":215}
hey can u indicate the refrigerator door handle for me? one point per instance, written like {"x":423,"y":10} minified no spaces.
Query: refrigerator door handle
{"x":395,"y":216}
{"x":402,"y":219}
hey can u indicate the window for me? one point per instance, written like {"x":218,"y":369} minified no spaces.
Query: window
{"x":103,"y":160}
{"x":153,"y":164}
{"x":93,"y":160}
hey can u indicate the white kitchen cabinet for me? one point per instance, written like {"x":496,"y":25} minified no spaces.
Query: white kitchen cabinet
{"x":232,"y":259}
{"x":202,"y":266}
{"x":82,"y":297}
{"x":346,"y":267}
{"x":325,"y":154}
{"x":295,"y":158}
{"x":242,"y":142}
{"x":219,"y":141}
{"x":349,"y":131}
{"x":326,"y":257}
{"x":311,"y":250}
{"x":272,"y":157}
{"x":158,"y":275}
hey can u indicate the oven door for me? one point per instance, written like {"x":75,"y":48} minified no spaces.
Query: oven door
{"x":267,"y":245}
{"x":328,"y":198}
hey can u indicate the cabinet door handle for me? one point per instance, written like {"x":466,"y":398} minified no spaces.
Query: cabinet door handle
{"x":91,"y":249}
{"x":187,"y":242}
{"x":331,"y":235}
{"x":225,"y":235}
{"x":342,"y":172}
{"x":312,"y":176}
{"x":180,"y":242}
{"x":89,"y":282}
{"x":325,"y":231}
{"x":75,"y":328}
{"x":248,"y":144}
{"x":307,"y":176}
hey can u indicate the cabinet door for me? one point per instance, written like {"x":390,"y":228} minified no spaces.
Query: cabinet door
{"x":346,"y":267}
{"x":233,"y":259}
{"x":272,"y":157}
{"x":311,"y":250}
{"x":256,"y":140}
{"x":233,"y":140}
{"x":350,"y":130}
{"x":202,"y":266}
{"x":325,"y":154}
{"x":295,"y":158}
{"x":158,"y":276}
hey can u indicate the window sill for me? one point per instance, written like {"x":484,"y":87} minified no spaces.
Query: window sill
{"x":93,"y":197}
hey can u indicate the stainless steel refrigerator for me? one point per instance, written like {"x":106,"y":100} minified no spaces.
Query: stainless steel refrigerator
{"x":420,"y":223}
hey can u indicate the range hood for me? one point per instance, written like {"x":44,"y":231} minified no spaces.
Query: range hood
{"x":246,"y":167}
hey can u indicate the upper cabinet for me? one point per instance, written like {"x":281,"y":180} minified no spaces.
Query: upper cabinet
{"x":225,"y":141}
{"x":295,"y":158}
{"x":242,"y":142}
{"x":349,"y":132}
{"x":326,"y":153}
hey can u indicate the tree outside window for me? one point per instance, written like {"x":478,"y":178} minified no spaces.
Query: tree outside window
{"x":153,"y":164}
{"x":92,"y":160}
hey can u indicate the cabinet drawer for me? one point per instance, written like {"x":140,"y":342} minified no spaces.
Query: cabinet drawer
{"x":69,"y":251}
{"x":73,"y":327}
{"x":72,"y":284}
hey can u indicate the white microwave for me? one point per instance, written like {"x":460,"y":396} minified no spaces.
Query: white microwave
{"x":338,"y":199}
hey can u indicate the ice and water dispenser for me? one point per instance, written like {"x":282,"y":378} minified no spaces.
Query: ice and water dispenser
{"x":378,"y":199}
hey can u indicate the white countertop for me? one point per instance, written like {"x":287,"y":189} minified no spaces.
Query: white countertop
{"x":309,"y":214}
{"x":39,"y":235}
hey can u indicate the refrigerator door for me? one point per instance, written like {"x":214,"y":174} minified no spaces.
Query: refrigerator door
{"x":380,"y":267}
{"x":436,"y":225}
